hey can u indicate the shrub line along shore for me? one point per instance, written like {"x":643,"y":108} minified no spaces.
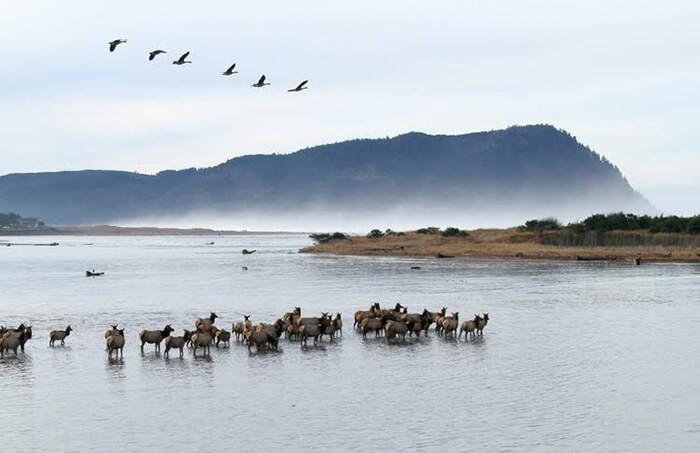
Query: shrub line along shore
{"x":519,"y":244}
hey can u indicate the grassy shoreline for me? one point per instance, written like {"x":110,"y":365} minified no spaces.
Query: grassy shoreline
{"x":500,"y":243}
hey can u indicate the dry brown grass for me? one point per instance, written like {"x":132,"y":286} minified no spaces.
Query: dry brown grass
{"x":496,"y":243}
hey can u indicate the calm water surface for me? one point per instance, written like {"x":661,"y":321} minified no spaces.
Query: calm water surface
{"x":577,"y":356}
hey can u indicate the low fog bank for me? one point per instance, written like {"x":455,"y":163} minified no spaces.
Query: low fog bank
{"x":361,"y":221}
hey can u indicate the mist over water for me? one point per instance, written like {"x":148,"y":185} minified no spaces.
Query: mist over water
{"x":576,"y":356}
{"x":395,"y":215}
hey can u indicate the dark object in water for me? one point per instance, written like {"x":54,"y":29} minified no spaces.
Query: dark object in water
{"x":248,"y":252}
{"x":638,"y":260}
{"x":210,"y":243}
{"x":592,"y":258}
{"x":245,"y":268}
{"x":52,"y":244}
{"x":93,"y":273}
{"x":440,"y":255}
{"x":415,"y":267}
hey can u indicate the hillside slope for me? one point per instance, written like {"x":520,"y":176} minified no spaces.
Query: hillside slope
{"x":533,"y":169}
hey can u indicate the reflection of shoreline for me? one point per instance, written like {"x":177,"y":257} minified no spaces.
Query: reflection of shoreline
{"x":109,"y":230}
{"x":508,"y":243}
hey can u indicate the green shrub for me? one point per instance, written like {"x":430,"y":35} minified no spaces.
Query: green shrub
{"x":454,"y":232}
{"x":693,"y":226}
{"x":324,"y":238}
{"x":375,"y":234}
{"x":619,"y":221}
{"x":429,"y":230}
{"x":546,"y":224}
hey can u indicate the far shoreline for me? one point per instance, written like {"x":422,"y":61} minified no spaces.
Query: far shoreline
{"x":112,"y":230}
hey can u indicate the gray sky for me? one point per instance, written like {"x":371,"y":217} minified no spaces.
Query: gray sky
{"x":622,"y":76}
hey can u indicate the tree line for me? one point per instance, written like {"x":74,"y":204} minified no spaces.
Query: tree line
{"x":619,"y":221}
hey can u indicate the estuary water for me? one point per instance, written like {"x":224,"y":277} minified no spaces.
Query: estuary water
{"x":577,"y":356}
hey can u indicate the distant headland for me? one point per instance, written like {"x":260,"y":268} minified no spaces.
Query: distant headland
{"x":521,"y":171}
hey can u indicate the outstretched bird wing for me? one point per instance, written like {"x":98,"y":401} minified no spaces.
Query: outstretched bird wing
{"x":262,"y":80}
{"x":301,"y":85}
{"x":112,"y":46}
{"x":184,"y":55}
{"x":231,"y":68}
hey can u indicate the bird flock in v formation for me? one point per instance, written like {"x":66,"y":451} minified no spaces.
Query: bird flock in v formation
{"x":228,"y":72}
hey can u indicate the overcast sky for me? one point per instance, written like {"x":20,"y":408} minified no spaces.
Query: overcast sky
{"x":622,"y":76}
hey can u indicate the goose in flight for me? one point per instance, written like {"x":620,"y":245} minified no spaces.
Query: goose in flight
{"x":230,"y":71}
{"x":113,"y":44}
{"x":181,"y":60}
{"x":261,"y":83}
{"x":155,"y":53}
{"x":300,"y":87}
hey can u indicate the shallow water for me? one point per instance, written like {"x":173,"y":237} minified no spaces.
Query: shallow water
{"x":576,"y":356}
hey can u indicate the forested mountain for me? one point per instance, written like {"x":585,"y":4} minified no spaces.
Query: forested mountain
{"x":534,"y":169}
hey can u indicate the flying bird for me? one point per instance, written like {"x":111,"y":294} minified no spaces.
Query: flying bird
{"x":230,"y":71}
{"x":261,"y":83}
{"x":113,"y":45}
{"x":300,"y":87}
{"x":181,"y":60}
{"x":155,"y":53}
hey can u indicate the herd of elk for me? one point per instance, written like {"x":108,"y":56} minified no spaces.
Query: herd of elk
{"x":397,"y":322}
{"x":391,"y":323}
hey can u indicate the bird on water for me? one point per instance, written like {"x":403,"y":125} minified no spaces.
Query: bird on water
{"x":113,"y":44}
{"x":182,"y":60}
{"x":261,"y":83}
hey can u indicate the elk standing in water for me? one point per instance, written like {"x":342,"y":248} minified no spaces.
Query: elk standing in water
{"x":393,"y":314}
{"x":202,"y":339}
{"x":259,"y":338}
{"x":205,"y":323}
{"x":481,"y":323}
{"x":372,"y":325}
{"x":394,"y":329}
{"x":313,"y":329}
{"x":468,"y":327}
{"x":22,"y":334}
{"x":155,"y":336}
{"x":338,"y":324}
{"x":373,"y":312}
{"x":309,"y":330}
{"x":274,"y":331}
{"x":292,"y":317}
{"x":439,"y":317}
{"x":239,"y":326}
{"x":177,"y":343}
{"x":223,"y":336}
{"x":449,"y":325}
{"x":115,"y":342}
{"x":59,"y":335}
{"x":329,"y":329}
{"x":12,"y":340}
{"x":292,"y":332}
